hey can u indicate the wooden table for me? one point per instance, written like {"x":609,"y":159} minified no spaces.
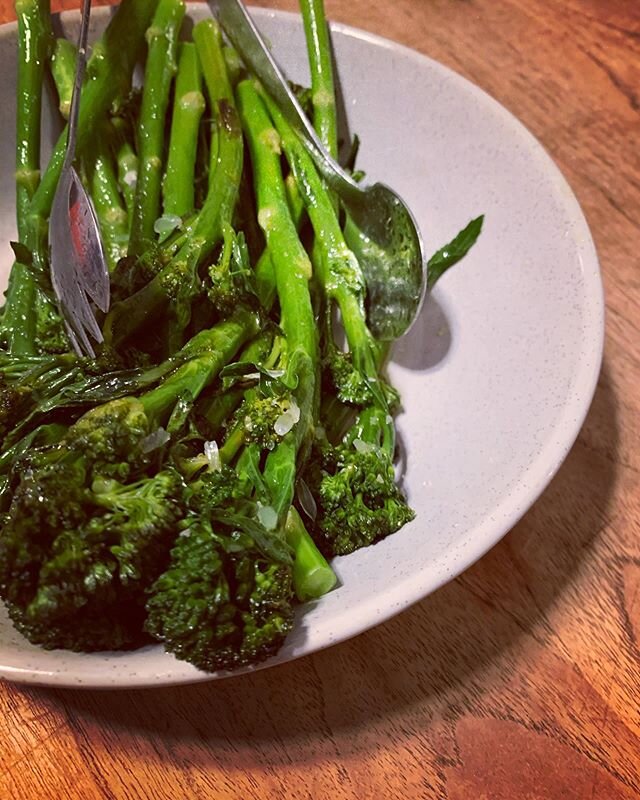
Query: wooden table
{"x":521,"y":679}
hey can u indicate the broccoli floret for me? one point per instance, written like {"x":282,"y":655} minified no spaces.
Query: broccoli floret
{"x":353,"y":483}
{"x":136,"y":513}
{"x":51,"y":336}
{"x":231,"y":276}
{"x":223,"y":602}
{"x":16,"y":401}
{"x":217,"y":488}
{"x":358,"y":500}
{"x":350,"y":384}
{"x":264,"y":419}
{"x":77,"y":554}
{"x":113,"y":434}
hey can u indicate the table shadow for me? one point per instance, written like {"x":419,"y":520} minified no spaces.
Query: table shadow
{"x":328,"y":705}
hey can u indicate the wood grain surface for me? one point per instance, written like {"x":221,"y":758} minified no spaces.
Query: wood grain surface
{"x":519,"y":680}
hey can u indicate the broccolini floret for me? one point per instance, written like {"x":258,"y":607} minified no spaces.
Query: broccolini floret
{"x":223,"y":602}
{"x":230,"y":275}
{"x":354,"y":485}
{"x":79,"y":552}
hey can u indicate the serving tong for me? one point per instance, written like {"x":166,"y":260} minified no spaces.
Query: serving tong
{"x":79,"y":273}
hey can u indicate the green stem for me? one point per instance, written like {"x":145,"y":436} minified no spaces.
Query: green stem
{"x":178,"y":187}
{"x":208,"y":40}
{"x":203,"y":357}
{"x":374,"y":426}
{"x":105,"y":194}
{"x":162,"y":37}
{"x":232,"y":444}
{"x":226,"y":137}
{"x":312,"y":574}
{"x":220,"y":406}
{"x":338,"y":269}
{"x":108,"y":76}
{"x":174,"y":283}
{"x":235,"y":65}
{"x":291,"y":263}
{"x":265,"y":276}
{"x":216,"y":410}
{"x":292,"y":270}
{"x":127,"y":164}
{"x":323,"y":95}
{"x":63,"y":70}
{"x":34,"y":44}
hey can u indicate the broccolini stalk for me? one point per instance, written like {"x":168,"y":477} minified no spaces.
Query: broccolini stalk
{"x":226,"y":137}
{"x":178,"y":187}
{"x":290,"y":260}
{"x":127,"y":165}
{"x":35,"y":40}
{"x":63,"y":70}
{"x":234,"y":64}
{"x":162,"y":37}
{"x":217,"y":408}
{"x":105,"y":194}
{"x":338,"y":269}
{"x":292,"y":270}
{"x":108,"y":75}
{"x":204,"y":356}
{"x":323,"y":98}
{"x":18,"y":326}
{"x":207,"y":36}
{"x":321,"y":66}
{"x":312,"y":575}
{"x":265,"y":277}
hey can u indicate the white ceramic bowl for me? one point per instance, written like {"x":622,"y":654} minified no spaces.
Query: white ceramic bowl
{"x":496,"y":376}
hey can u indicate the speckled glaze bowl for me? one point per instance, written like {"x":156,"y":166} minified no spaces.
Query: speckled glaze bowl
{"x":496,"y":376}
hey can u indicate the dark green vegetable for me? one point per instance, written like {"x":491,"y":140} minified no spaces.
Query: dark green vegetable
{"x":108,"y":73}
{"x":18,"y":325}
{"x":358,"y":500}
{"x":102,"y":173}
{"x":323,"y":96}
{"x":162,"y":38}
{"x":91,"y":520}
{"x":188,"y":106}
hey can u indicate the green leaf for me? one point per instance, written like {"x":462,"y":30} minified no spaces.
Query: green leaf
{"x":271,"y":544}
{"x":451,"y":253}
{"x":250,"y":373}
{"x":240,"y":369}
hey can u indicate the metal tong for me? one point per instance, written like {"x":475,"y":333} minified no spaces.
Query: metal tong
{"x":79,"y":273}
